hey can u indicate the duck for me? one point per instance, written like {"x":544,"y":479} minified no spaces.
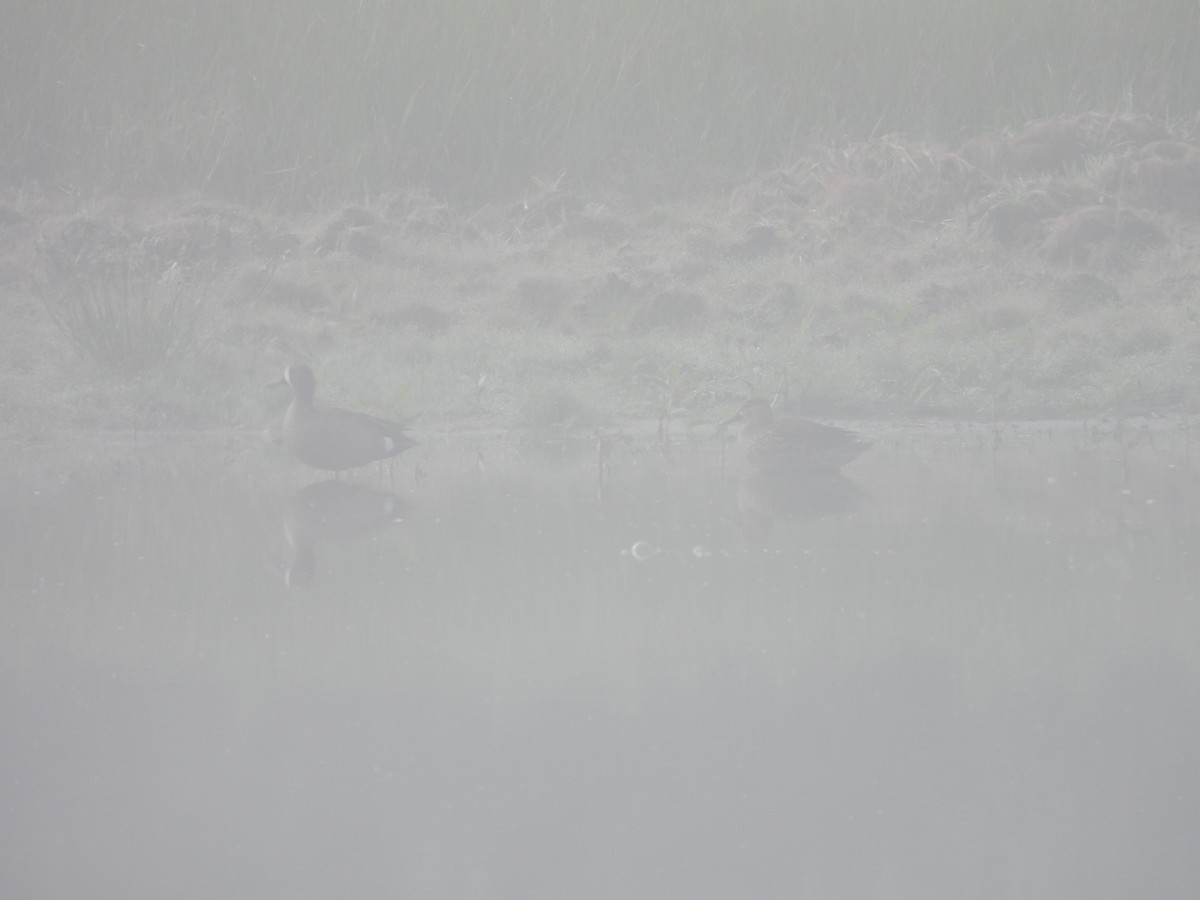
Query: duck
{"x":333,"y":439}
{"x":779,"y":444}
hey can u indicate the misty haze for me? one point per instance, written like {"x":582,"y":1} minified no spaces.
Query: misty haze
{"x":670,"y":449}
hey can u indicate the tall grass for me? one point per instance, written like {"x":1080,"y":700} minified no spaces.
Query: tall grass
{"x":293,"y":100}
{"x":128,"y":314}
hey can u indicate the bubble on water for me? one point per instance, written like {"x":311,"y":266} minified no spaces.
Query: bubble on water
{"x":642,"y":551}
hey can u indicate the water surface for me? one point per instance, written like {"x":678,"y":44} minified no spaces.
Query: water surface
{"x":518,"y":667}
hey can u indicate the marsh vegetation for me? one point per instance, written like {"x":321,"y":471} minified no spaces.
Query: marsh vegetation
{"x":514,"y":213}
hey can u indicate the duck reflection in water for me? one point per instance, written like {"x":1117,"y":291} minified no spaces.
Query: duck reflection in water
{"x":331,"y":510}
{"x":763,"y":498}
{"x":789,"y":468}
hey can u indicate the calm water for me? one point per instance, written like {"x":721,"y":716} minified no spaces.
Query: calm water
{"x":967,"y":669}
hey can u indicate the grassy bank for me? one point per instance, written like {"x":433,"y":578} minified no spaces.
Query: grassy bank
{"x":514,"y":213}
{"x":1050,"y":272}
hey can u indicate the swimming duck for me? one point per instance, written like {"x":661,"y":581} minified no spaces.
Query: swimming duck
{"x":335,"y":439}
{"x":771,"y":443}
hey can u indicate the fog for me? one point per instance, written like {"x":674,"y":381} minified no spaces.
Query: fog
{"x":724,"y":450}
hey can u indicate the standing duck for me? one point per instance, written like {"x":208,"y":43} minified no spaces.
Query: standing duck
{"x":778,"y":444}
{"x":335,"y":439}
